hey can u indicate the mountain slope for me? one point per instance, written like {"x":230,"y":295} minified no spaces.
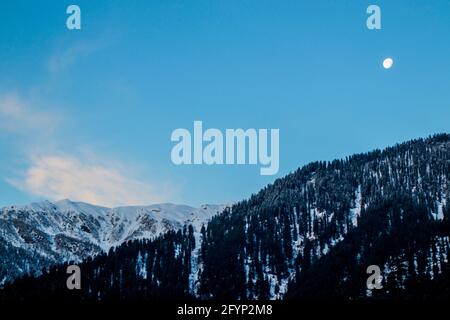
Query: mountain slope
{"x":145,"y":269}
{"x":311,"y":234}
{"x":41,"y":234}
{"x":281,"y":235}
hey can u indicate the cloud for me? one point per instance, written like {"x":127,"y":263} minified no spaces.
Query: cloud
{"x":53,"y":168}
{"x":59,"y":177}
{"x":63,"y":58}
{"x":16,"y":115}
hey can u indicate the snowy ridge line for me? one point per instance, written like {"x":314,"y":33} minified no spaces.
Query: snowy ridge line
{"x":51,"y":233}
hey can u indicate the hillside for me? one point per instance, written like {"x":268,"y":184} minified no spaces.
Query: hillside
{"x":311,"y":234}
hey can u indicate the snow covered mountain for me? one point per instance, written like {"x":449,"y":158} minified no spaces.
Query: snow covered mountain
{"x":310,"y":235}
{"x":41,"y":234}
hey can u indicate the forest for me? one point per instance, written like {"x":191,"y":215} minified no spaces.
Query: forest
{"x":309,"y":235}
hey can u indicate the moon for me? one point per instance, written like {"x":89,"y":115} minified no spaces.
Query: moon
{"x":387,"y":63}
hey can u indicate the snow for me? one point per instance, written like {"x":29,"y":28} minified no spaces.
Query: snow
{"x":355,"y":212}
{"x":197,"y":221}
{"x":115,"y":225}
{"x":92,"y":227}
{"x":141,"y":266}
{"x":439,"y":214}
{"x":196,"y":265}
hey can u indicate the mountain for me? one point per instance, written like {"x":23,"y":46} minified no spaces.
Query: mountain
{"x":315,"y":232}
{"x":42,"y":234}
{"x":310,"y":234}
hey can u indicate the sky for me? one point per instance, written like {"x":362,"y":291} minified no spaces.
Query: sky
{"x":88,"y":114}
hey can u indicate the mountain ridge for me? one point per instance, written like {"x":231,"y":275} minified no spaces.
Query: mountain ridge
{"x":273,"y":238}
{"x":54,"y":232}
{"x":310,"y":234}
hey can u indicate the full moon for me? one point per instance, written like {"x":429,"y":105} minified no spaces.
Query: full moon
{"x":387,"y":63}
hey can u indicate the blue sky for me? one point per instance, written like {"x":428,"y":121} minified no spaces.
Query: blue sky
{"x":88,"y":114}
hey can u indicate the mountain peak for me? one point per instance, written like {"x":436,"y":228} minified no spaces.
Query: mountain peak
{"x":52,"y":232}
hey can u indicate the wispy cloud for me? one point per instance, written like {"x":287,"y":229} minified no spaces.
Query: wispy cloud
{"x":63,"y":58}
{"x":61,"y":176}
{"x":17,"y":115}
{"x":57,"y":175}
